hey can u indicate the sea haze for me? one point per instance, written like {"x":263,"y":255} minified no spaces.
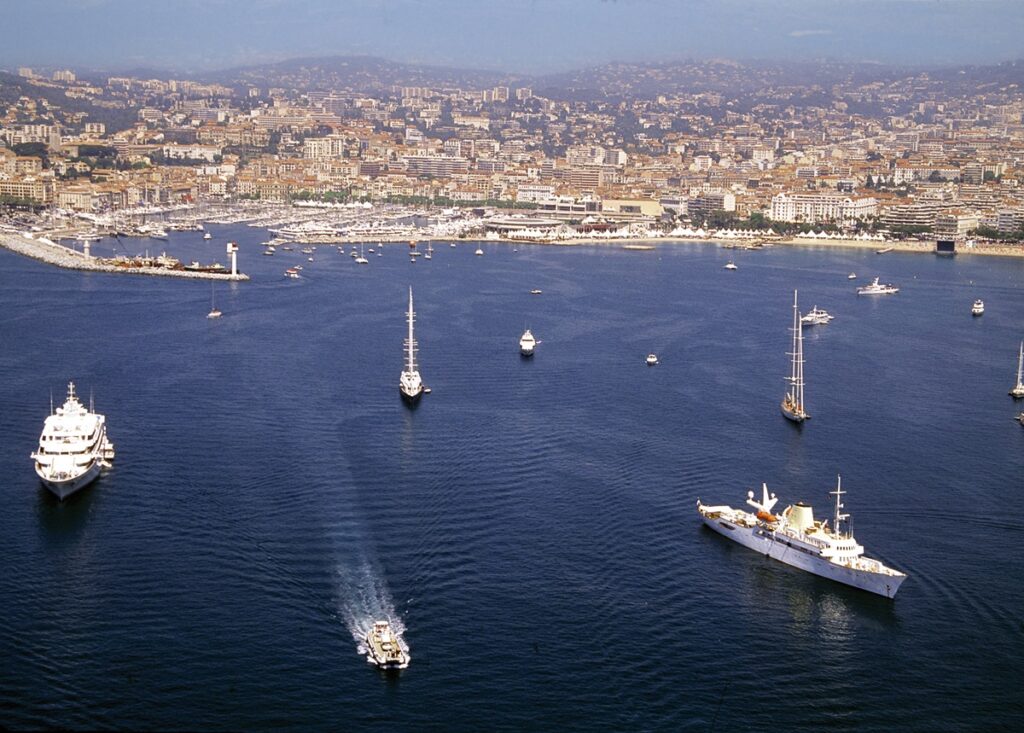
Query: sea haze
{"x":532,"y":524}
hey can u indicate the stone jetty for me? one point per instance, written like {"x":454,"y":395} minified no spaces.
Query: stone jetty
{"x":45,"y":250}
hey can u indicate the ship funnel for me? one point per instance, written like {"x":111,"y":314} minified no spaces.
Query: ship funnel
{"x":801,"y":517}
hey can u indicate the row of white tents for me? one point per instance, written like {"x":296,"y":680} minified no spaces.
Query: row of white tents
{"x":863,"y":237}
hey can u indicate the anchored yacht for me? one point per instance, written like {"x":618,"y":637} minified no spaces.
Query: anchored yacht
{"x":527,"y":343}
{"x":73,"y":447}
{"x":730,"y":265}
{"x":793,"y":403}
{"x":384,"y":648}
{"x":876,"y":288}
{"x":978,"y":308}
{"x":796,"y":538}
{"x":410,"y":384}
{"x":816,"y":317}
{"x":652,"y":360}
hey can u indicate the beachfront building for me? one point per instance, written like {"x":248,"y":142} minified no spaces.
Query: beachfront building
{"x":812,"y":208}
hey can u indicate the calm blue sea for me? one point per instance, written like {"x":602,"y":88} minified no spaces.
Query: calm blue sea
{"x":531,"y":525}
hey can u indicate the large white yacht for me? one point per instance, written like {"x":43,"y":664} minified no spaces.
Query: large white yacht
{"x":410,"y":384}
{"x":796,"y":538}
{"x":978,"y":308}
{"x":877,"y":288}
{"x":816,"y":317}
{"x":527,"y":343}
{"x":73,"y":447}
{"x":384,"y":648}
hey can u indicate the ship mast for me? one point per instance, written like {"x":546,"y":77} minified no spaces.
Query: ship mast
{"x":410,"y":342}
{"x":838,"y":493}
{"x":796,"y":375}
{"x":1020,"y":366}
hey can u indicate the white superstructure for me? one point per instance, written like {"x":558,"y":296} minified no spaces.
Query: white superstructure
{"x":527,"y":343}
{"x":384,"y":648}
{"x":978,"y":308}
{"x":877,"y":288}
{"x":793,"y":403}
{"x":410,"y":384}
{"x":796,"y":538}
{"x":73,"y":447}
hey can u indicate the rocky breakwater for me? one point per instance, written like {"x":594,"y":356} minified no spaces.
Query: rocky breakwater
{"x":45,"y":250}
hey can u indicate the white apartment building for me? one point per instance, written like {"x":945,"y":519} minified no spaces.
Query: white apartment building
{"x":814,"y":207}
{"x":534,"y":192}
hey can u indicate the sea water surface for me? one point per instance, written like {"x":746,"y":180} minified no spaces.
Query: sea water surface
{"x":531,"y":525}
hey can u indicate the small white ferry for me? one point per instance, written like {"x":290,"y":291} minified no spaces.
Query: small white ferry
{"x":384,"y":648}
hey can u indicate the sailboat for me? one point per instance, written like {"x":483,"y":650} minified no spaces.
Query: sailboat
{"x":1018,"y":390}
{"x":214,"y":313}
{"x":793,"y":404}
{"x":430,"y":251}
{"x":361,"y":259}
{"x":410,"y":384}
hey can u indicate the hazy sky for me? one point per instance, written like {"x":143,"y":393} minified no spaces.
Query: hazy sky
{"x":514,"y":35}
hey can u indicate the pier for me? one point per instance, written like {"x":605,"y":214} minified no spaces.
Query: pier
{"x":48,"y":251}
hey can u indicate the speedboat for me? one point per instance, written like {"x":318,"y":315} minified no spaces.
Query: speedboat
{"x":730,"y":265}
{"x":816,"y":317}
{"x":852,"y":276}
{"x":876,"y":288}
{"x":652,"y":359}
{"x":978,"y":308}
{"x":527,"y":343}
{"x":383,"y":647}
{"x":536,"y":291}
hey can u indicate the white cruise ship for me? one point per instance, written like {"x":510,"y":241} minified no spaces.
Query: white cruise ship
{"x":410,"y":384}
{"x":796,"y":538}
{"x":73,"y":447}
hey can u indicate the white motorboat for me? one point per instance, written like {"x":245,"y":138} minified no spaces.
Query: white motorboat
{"x":877,"y":288}
{"x":730,"y":265}
{"x":527,"y":343}
{"x":816,"y":317}
{"x":384,"y":648}
{"x":652,"y":359}
{"x":852,"y":276}
{"x":1018,"y":389}
{"x":207,"y":235}
{"x":478,"y":252}
{"x":73,"y":447}
{"x":292,"y":273}
{"x":978,"y":308}
{"x":793,"y":404}
{"x":410,"y":384}
{"x":536,"y":291}
{"x":795,"y":538}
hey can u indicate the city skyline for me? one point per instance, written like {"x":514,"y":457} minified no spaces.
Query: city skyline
{"x":534,"y":38}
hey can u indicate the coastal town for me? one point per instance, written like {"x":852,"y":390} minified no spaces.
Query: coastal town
{"x":625,"y":151}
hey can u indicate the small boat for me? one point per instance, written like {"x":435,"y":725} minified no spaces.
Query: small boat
{"x":883,"y":251}
{"x":793,"y":404}
{"x":1020,"y":418}
{"x":307,"y":250}
{"x":730,"y":265}
{"x":527,"y":343}
{"x":852,"y":276}
{"x":214,"y":313}
{"x":383,"y":647}
{"x":816,"y":317}
{"x":430,"y":252}
{"x":652,"y":359}
{"x":309,"y":259}
{"x":207,"y":235}
{"x":478,"y":252}
{"x":536,"y":291}
{"x":292,"y":273}
{"x":361,"y":260}
{"x":452,"y":245}
{"x":876,"y":288}
{"x":269,"y":252}
{"x":1018,"y":390}
{"x":978,"y":308}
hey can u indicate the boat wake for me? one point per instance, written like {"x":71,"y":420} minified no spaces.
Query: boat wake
{"x":363,"y":598}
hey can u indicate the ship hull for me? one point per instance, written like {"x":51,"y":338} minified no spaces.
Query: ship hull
{"x":66,"y":487}
{"x":410,"y":398}
{"x":792,"y":415}
{"x":778,"y":547}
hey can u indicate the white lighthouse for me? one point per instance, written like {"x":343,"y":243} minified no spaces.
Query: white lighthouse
{"x":233,"y":251}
